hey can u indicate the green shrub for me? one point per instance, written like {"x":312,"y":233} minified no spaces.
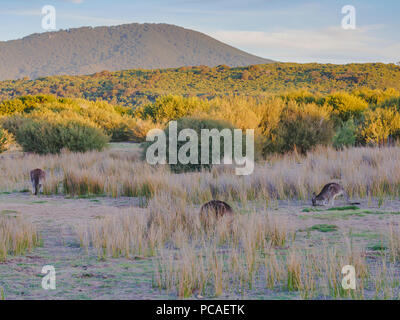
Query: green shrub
{"x":13,"y":123}
{"x":44,"y":137}
{"x":300,"y":126}
{"x":114,"y":120}
{"x":346,"y":135}
{"x":196,"y":124}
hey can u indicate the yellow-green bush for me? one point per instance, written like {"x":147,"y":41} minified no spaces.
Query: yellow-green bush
{"x":345,"y":105}
{"x":172,"y":107}
{"x":376,"y":96}
{"x":379,"y":124}
{"x":243,"y":112}
{"x":24,"y":104}
{"x":303,"y":96}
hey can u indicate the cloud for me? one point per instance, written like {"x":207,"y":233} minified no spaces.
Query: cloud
{"x":74,"y":1}
{"x":323,"y":45}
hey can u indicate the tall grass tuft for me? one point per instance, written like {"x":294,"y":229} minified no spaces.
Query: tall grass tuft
{"x":17,"y":237}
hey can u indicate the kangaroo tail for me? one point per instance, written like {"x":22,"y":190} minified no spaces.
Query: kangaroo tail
{"x":348,"y":199}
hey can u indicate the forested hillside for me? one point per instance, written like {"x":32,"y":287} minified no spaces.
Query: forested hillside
{"x":138,"y":87}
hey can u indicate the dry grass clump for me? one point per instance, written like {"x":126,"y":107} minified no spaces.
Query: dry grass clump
{"x":393,"y":233}
{"x":121,"y":235}
{"x":17,"y":236}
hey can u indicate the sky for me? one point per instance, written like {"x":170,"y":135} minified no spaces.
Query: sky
{"x":282,"y":30}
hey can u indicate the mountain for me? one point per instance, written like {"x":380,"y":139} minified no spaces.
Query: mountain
{"x":131,"y":46}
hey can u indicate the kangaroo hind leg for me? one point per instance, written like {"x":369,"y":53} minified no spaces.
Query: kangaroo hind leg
{"x":33,"y":187}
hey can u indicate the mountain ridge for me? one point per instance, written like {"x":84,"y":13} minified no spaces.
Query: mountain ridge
{"x":87,"y":50}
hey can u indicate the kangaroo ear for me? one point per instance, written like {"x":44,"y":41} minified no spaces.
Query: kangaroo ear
{"x":313,"y":194}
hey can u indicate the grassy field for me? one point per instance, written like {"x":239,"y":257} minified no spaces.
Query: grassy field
{"x":116,"y":228}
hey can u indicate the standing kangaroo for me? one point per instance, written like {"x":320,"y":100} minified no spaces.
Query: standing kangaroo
{"x":38,"y":176}
{"x":215,"y":209}
{"x":329,"y":193}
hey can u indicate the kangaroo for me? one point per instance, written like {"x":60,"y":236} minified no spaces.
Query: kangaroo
{"x":218,"y":209}
{"x":329,"y":193}
{"x":38,"y":176}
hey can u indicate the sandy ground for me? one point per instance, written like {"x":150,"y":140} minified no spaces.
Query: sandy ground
{"x":83,"y":276}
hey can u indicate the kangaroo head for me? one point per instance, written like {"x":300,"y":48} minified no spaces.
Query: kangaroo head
{"x":314,"y":199}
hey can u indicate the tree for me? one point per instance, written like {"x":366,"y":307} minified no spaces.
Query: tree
{"x":197,"y":125}
{"x":346,"y":135}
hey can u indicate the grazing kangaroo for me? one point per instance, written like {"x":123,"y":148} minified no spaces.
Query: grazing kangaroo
{"x":38,"y":176}
{"x":329,"y":193}
{"x":215,"y":209}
